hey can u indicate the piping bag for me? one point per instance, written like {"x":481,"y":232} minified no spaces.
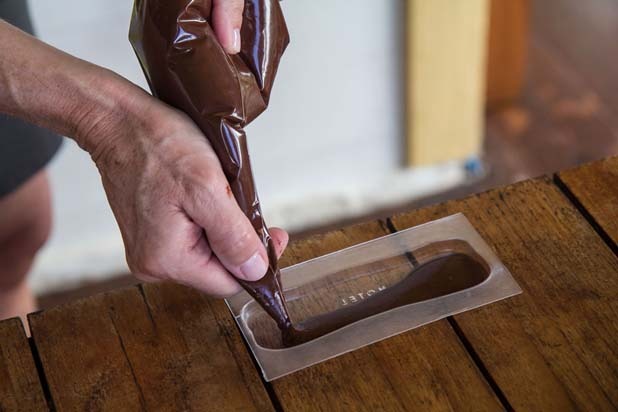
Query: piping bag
{"x":187,"y":68}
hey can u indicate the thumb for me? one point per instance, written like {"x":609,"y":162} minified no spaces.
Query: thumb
{"x":230,"y":235}
{"x":227,"y":19}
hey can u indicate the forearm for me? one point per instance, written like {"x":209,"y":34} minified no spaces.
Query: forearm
{"x":55,"y":90}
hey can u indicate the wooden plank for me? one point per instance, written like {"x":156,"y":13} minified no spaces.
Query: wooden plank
{"x":20,"y":388}
{"x":156,"y":347}
{"x":425,"y":368}
{"x":554,"y":346}
{"x":446,"y":45}
{"x":508,"y":50}
{"x":595,"y":187}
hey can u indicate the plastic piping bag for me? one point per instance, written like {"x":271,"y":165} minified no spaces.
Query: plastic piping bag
{"x":187,"y":68}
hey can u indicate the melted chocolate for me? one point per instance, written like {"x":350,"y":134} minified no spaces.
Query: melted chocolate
{"x":439,"y":276}
{"x":187,"y":68}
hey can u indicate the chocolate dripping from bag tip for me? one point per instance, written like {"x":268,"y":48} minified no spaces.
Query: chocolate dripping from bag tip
{"x":187,"y":68}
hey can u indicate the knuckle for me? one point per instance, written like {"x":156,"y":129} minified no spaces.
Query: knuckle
{"x":203,"y":168}
{"x":215,"y":185}
{"x":239,"y":241}
{"x":238,"y":6}
{"x":205,"y":183}
{"x":232,"y":5}
{"x":234,"y":10}
{"x":243,"y":239}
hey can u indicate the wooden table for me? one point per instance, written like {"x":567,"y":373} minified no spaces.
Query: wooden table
{"x":552,"y":348}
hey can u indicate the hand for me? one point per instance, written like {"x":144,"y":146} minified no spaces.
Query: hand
{"x":178,"y":217}
{"x":227,"y":19}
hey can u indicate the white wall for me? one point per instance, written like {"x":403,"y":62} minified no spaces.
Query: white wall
{"x":332,"y":134}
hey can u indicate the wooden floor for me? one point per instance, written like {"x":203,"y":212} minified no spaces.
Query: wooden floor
{"x":567,"y":114}
{"x":568,"y":110}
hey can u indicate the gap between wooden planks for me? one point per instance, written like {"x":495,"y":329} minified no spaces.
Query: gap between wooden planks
{"x":151,"y":347}
{"x":20,"y":388}
{"x":426,"y":367}
{"x":593,"y":188}
{"x":553,"y":347}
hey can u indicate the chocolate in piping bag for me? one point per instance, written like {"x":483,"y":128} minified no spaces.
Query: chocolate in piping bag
{"x":187,"y":68}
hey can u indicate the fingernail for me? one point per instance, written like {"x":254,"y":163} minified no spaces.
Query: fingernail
{"x":236,"y":41}
{"x":254,"y":268}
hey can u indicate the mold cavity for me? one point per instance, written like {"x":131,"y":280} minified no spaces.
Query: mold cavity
{"x":348,"y":296}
